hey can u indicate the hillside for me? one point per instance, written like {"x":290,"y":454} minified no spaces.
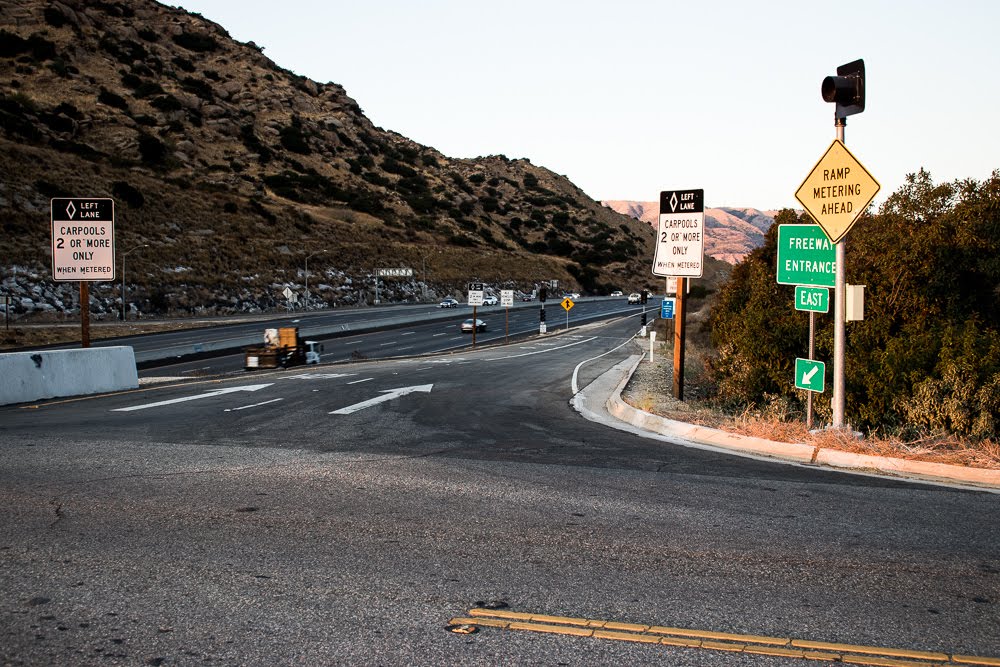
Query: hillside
{"x":730,"y":233}
{"x":234,"y":171}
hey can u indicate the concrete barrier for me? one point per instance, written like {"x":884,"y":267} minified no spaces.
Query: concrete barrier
{"x":30,"y":376}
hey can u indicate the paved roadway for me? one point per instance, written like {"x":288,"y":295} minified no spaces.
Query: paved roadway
{"x":342,"y":514}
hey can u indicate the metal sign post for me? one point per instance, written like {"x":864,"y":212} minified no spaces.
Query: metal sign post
{"x":836,"y":193}
{"x":567,"y":303}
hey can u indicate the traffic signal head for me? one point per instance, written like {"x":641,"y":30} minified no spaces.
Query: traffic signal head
{"x":645,"y":296}
{"x":847,"y":89}
{"x":542,"y":294}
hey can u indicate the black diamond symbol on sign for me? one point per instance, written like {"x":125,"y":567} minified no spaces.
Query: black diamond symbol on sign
{"x":71,"y":210}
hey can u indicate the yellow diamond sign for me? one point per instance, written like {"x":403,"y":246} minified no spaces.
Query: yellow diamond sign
{"x":837,"y":191}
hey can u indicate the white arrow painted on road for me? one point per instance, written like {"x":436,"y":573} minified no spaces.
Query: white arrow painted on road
{"x":387,"y":395}
{"x":808,"y":375}
{"x":216,"y":392}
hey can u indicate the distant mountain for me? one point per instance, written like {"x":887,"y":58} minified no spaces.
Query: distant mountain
{"x":730,"y":233}
{"x":230,"y":172}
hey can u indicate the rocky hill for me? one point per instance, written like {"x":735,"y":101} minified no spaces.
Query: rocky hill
{"x":730,"y":233}
{"x":234,"y":170}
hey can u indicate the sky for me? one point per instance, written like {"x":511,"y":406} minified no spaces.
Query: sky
{"x":631,"y":97}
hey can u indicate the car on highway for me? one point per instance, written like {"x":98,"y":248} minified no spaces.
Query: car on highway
{"x":635,"y":297}
{"x":470,"y":325}
{"x":448,"y":303}
{"x":527,"y":297}
{"x":490,"y":300}
{"x":617,"y":292}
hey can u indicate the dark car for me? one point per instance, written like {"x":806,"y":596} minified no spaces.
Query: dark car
{"x":470,"y":324}
{"x":448,"y":303}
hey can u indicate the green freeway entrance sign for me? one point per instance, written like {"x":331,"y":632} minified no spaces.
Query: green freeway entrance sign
{"x":805,"y":256}
{"x":810,"y":375}
{"x":815,"y":299}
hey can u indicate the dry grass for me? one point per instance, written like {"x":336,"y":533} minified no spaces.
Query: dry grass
{"x":935,"y":449}
{"x":650,"y":390}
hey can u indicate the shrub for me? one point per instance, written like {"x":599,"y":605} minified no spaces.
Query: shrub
{"x":199,"y":87}
{"x":130,"y":195}
{"x":293,"y":139}
{"x":166,"y":103}
{"x":112,"y":99}
{"x":198,"y":42}
{"x":927,"y":355}
{"x":182,"y":63}
{"x":152,"y":150}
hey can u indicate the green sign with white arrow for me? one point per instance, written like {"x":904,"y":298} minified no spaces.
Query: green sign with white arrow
{"x":810,"y":375}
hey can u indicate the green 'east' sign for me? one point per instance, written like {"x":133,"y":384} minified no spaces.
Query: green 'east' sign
{"x":815,"y":299}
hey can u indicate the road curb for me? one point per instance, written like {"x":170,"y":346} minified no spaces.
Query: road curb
{"x":799,"y":453}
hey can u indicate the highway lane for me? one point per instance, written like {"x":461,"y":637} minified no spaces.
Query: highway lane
{"x":416,"y":338}
{"x":239,"y":332}
{"x":320,"y":515}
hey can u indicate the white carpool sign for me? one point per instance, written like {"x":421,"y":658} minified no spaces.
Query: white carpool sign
{"x":476,"y":294}
{"x":506,"y":298}
{"x":680,"y":241}
{"x":83,"y":238}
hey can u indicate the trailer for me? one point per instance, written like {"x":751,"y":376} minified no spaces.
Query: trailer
{"x":282,"y":348}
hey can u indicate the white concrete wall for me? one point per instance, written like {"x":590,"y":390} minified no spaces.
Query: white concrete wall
{"x":30,"y":376}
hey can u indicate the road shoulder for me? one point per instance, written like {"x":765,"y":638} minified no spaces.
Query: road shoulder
{"x":601,"y":401}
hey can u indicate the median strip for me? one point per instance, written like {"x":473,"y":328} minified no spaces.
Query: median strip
{"x":716,"y":641}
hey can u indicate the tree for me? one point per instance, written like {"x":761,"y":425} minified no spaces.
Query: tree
{"x":927,"y":354}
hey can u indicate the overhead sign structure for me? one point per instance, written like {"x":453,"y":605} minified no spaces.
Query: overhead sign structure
{"x":837,"y":191}
{"x":680,"y":242}
{"x":506,"y":298}
{"x":812,"y":299}
{"x":567,"y":303}
{"x":810,"y":375}
{"x":83,"y":239}
{"x":667,"y":308}
{"x":806,"y":256}
{"x":477,"y":292}
{"x":394,"y":273}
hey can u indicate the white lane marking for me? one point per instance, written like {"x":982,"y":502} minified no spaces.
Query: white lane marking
{"x":551,"y":349}
{"x":244,"y":407}
{"x":576,"y":371}
{"x":209,"y":394}
{"x":408,"y":333}
{"x":360,"y":381}
{"x":439,"y":334}
{"x":387,"y":395}
{"x":318,"y":376}
{"x":408,"y":347}
{"x":389,"y":343}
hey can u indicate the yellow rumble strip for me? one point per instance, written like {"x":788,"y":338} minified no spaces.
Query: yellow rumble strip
{"x":716,"y":641}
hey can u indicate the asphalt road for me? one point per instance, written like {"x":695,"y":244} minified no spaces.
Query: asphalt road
{"x":342,"y":514}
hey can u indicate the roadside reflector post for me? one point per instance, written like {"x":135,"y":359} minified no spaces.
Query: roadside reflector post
{"x":652,"y":343}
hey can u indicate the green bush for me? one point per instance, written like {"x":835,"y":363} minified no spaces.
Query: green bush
{"x":925,"y":358}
